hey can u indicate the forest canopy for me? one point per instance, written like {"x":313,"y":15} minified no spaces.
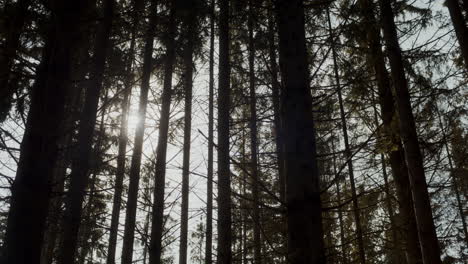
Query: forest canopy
{"x":233,"y":131}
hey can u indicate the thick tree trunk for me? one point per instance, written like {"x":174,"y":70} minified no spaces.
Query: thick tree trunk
{"x":52,"y":233}
{"x":224,"y":174}
{"x":123,"y":138}
{"x":132,"y":198}
{"x":376,"y":60}
{"x":422,"y":206}
{"x":348,"y":154}
{"x":209,"y":189}
{"x":189,"y":9}
{"x":157,"y":223}
{"x":17,"y":15}
{"x":31,"y":188}
{"x":80,"y":164}
{"x":254,"y":139}
{"x":305,"y":235}
{"x":461,"y":30}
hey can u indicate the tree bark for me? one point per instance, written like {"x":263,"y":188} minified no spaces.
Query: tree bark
{"x":461,"y":30}
{"x":254,"y":139}
{"x":17,"y":16}
{"x":305,"y":235}
{"x":357,"y":216}
{"x":189,"y":9}
{"x":209,"y":191}
{"x":80,"y":164}
{"x":31,"y":188}
{"x":224,"y":174}
{"x":157,"y":227}
{"x":422,"y":206}
{"x":132,"y":198}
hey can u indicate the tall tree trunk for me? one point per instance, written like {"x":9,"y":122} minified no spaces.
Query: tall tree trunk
{"x":224,"y":174}
{"x":422,"y":206}
{"x":123,"y":137}
{"x":461,"y":30}
{"x":189,"y":9}
{"x":254,"y":139}
{"x":132,"y":198}
{"x":396,"y":251}
{"x":88,"y":219}
{"x":209,"y":189}
{"x":157,"y":223}
{"x":80,"y":164}
{"x":357,"y":217}
{"x":17,"y":15}
{"x":31,"y":188}
{"x":376,"y":60}
{"x":305,"y":235}
{"x":51,"y":236}
{"x":275,"y":88}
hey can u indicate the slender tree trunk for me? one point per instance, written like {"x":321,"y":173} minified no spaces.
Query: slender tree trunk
{"x":254,"y":139}
{"x":31,"y":189}
{"x":224,"y":174}
{"x":17,"y":15}
{"x":132,"y":198}
{"x":305,"y":235}
{"x":395,"y":254}
{"x":275,"y":87}
{"x":209,"y":189}
{"x":157,"y":224}
{"x":376,"y":60}
{"x":243,"y":190}
{"x":80,"y":164}
{"x":88,"y":219}
{"x":422,"y":205}
{"x":123,"y":138}
{"x":357,"y":217}
{"x":461,"y":30}
{"x":190,"y":25}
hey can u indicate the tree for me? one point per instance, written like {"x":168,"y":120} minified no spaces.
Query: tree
{"x":305,"y":234}
{"x":123,"y":137}
{"x":422,"y":206}
{"x":209,"y":187}
{"x":130,"y":216}
{"x":224,"y":174}
{"x":31,"y":189}
{"x":189,"y":10}
{"x":80,"y":164}
{"x":157,"y":221}
{"x":461,"y":30}
{"x":376,"y":61}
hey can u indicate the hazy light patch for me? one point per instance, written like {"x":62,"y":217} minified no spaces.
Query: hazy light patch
{"x":133,"y":121}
